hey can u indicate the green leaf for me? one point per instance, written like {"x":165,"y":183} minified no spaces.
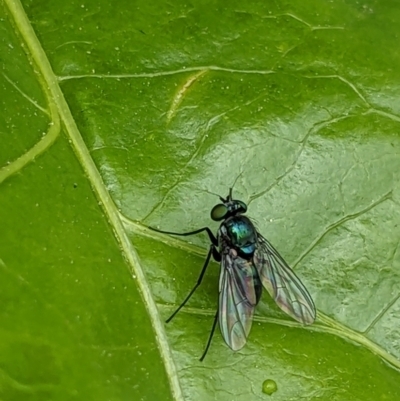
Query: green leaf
{"x":119,"y":116}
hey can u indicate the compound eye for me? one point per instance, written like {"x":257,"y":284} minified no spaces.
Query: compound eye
{"x":219,"y":212}
{"x":242,"y":207}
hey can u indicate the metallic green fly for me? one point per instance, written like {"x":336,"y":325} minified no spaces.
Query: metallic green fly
{"x":248,"y":262}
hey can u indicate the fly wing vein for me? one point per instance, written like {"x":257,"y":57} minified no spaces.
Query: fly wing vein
{"x":237,"y":300}
{"x":282,"y":283}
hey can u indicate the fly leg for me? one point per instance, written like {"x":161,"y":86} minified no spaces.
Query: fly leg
{"x":213,"y":240}
{"x":212,"y":251}
{"x":210,"y":337}
{"x":217,"y":256}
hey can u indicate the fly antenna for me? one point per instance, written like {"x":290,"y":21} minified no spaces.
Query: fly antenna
{"x":233,"y":185}
{"x":213,"y":193}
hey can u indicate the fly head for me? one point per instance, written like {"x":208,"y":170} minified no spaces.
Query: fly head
{"x":228,"y":208}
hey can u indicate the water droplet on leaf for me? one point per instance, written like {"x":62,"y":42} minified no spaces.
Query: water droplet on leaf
{"x":269,"y":387}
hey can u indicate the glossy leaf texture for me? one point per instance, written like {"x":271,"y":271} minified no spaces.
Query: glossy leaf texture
{"x":135,"y":112}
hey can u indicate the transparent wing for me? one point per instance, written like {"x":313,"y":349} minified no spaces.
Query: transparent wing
{"x":282,"y":283}
{"x":237,"y":298}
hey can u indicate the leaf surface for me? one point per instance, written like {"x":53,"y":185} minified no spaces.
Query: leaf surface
{"x":134,"y":112}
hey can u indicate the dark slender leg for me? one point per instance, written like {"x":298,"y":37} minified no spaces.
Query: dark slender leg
{"x":199,"y":280}
{"x":210,"y":234}
{"x":213,"y":251}
{"x":216,"y":255}
{"x":210,"y":338}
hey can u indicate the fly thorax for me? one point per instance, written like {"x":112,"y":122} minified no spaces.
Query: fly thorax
{"x":240,"y":234}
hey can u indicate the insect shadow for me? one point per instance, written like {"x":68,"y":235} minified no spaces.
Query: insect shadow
{"x":248,"y":262}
